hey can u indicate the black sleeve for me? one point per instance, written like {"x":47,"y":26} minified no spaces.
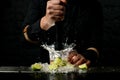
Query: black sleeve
{"x":36,"y":11}
{"x":96,"y":35}
{"x":92,"y":31}
{"x":96,"y":26}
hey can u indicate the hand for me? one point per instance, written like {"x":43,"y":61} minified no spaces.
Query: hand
{"x":77,"y":59}
{"x":55,"y":11}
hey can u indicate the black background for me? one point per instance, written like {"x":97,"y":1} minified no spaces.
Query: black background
{"x":12,"y":16}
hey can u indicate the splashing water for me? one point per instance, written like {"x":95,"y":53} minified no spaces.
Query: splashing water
{"x":58,"y":53}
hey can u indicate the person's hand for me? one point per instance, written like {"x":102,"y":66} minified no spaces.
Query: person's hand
{"x":77,"y":59}
{"x":55,"y":11}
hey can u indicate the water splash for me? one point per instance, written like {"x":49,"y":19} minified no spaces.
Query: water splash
{"x":59,"y":53}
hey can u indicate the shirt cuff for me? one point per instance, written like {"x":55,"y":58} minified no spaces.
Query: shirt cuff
{"x":34,"y":31}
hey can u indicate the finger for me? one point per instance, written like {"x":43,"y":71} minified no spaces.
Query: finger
{"x":58,"y":13}
{"x":70,"y":58}
{"x":75,"y":59}
{"x":59,"y":1}
{"x":81,"y":61}
{"x":88,"y":63}
{"x":64,"y":1}
{"x":55,"y":1}
{"x":56,"y":7}
{"x":58,"y":18}
{"x":71,"y":54}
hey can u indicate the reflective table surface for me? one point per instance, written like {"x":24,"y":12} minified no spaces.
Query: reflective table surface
{"x":93,"y":73}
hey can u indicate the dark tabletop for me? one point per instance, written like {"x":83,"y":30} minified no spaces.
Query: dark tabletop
{"x":93,"y":73}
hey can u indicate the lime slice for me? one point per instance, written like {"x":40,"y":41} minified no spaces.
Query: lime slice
{"x":53,"y":67}
{"x":36,"y":66}
{"x":83,"y":66}
{"x":57,"y":60}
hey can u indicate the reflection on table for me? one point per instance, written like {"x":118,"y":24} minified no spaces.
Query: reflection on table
{"x":93,"y":73}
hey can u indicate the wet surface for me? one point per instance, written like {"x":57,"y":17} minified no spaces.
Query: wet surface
{"x":94,"y":73}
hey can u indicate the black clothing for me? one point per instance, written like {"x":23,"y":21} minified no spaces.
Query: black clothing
{"x":82,"y":25}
